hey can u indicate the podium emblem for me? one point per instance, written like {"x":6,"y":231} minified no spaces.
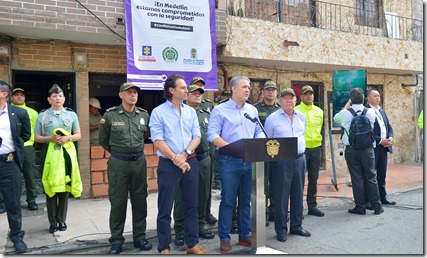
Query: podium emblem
{"x":272,"y":148}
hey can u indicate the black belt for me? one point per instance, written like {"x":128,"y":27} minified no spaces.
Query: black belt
{"x":202,"y":156}
{"x":7,"y":157}
{"x":127,"y":156}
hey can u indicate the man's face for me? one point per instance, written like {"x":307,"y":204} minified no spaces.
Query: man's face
{"x":18,"y":98}
{"x":93,"y":110}
{"x":129,"y":96}
{"x":241,"y":91}
{"x":307,"y":98}
{"x":288,"y":102}
{"x":270,"y":94}
{"x":374,"y":98}
{"x":180,"y":92}
{"x":194,"y":98}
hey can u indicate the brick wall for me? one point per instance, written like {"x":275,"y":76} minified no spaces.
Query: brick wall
{"x":99,"y":177}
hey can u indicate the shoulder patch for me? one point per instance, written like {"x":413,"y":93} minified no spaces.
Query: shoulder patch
{"x":111,"y":109}
{"x":43,"y":110}
{"x":102,"y":121}
{"x":69,"y":109}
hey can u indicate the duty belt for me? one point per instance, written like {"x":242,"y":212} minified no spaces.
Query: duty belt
{"x":127,"y":156}
{"x":202,"y":156}
{"x":7,"y":157}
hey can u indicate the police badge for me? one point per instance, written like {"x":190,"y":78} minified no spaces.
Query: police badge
{"x":272,"y":148}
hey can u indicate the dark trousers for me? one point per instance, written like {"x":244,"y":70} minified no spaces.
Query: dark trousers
{"x":381,"y":166}
{"x":169,"y":178}
{"x":204,"y":190}
{"x":212,"y":154}
{"x":312,"y":157}
{"x":127,"y":178}
{"x":28,"y":170}
{"x":288,"y":180}
{"x":57,"y":207}
{"x":10,"y":185}
{"x":361,"y":164}
{"x":268,"y":190}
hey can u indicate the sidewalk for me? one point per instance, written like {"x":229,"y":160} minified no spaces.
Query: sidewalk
{"x":88,"y":219}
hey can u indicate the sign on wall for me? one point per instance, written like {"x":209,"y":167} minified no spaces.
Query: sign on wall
{"x":166,"y":37}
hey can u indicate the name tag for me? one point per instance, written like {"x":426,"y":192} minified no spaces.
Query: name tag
{"x":118,"y":123}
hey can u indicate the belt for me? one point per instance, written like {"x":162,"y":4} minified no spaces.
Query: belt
{"x":192,"y":155}
{"x":202,"y":156}
{"x":127,"y":156}
{"x":7,"y":157}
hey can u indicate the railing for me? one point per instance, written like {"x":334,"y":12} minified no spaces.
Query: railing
{"x":363,"y":19}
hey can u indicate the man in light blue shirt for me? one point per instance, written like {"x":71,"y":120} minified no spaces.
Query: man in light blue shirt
{"x":228,"y":124}
{"x":289,"y":175}
{"x":175,"y":133}
{"x":360,"y":163}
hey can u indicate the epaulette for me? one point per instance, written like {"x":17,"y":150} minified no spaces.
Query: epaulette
{"x":208,"y":100}
{"x":43,"y":110}
{"x":141,"y":109}
{"x":69,"y":109}
{"x":111,"y":109}
{"x":204,"y":110}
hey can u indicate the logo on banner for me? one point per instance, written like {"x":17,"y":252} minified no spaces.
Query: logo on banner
{"x":194,"y":53}
{"x":147,"y":54}
{"x":170,"y":54}
{"x":193,"y":58}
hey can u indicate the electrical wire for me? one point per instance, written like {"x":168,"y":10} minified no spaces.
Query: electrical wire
{"x":108,"y":27}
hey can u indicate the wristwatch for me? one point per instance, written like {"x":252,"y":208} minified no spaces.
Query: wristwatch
{"x":189,"y":152}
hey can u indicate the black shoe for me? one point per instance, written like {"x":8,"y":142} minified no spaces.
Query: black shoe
{"x":315,"y":212}
{"x":20,"y":246}
{"x":356,"y":210}
{"x":206,"y":234}
{"x":210,"y":219}
{"x":234,"y":229}
{"x":115,"y":249}
{"x":53,"y":228}
{"x":32,"y":206}
{"x":368,"y":206}
{"x":378,"y":211}
{"x":301,"y":232}
{"x":179,"y":239}
{"x":62,"y":227}
{"x":142,"y":244}
{"x":2,"y":209}
{"x":281,"y":238}
{"x":387,"y":201}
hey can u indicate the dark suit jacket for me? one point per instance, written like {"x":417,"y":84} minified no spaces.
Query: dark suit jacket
{"x":21,"y":129}
{"x":377,"y":129}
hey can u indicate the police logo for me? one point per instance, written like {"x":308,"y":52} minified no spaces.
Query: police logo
{"x":272,"y":148}
{"x":142,"y":121}
{"x":206,"y":120}
{"x":102,"y":121}
{"x":170,"y":54}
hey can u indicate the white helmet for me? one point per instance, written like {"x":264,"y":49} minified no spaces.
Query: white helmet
{"x":94,"y":103}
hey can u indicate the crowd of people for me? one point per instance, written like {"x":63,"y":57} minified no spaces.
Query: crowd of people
{"x":187,"y":130}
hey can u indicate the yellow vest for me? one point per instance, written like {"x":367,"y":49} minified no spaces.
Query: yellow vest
{"x":314,"y":124}
{"x":33,"y":119}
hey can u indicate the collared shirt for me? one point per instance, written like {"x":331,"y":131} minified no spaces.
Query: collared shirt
{"x":175,"y":128}
{"x":33,"y":119}
{"x":50,"y":119}
{"x":7,"y":145}
{"x":228,"y":122}
{"x":380,"y":120}
{"x":344,"y":118}
{"x":278,"y":125}
{"x":314,"y":120}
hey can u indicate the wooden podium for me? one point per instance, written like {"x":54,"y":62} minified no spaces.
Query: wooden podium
{"x":259,"y":151}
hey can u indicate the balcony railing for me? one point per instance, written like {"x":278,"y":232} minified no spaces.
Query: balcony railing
{"x":363,"y":19}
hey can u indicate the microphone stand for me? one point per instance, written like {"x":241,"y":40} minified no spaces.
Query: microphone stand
{"x":262,"y":127}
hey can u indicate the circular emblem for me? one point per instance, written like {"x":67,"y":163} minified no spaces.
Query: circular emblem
{"x":170,"y":54}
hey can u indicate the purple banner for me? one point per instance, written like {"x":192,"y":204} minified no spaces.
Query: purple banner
{"x":165,"y":38}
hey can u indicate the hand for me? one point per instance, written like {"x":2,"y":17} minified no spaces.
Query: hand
{"x":61,"y":139}
{"x":185,"y":167}
{"x":179,"y":160}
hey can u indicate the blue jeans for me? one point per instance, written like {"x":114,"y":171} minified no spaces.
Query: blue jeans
{"x":236,"y":180}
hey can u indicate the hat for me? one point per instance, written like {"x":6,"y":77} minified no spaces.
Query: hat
{"x":306,"y":88}
{"x":18,"y":89}
{"x":287,"y":90}
{"x":270,"y":84}
{"x":197,"y":79}
{"x":55,"y":89}
{"x":94,"y":103}
{"x":194,"y":87}
{"x":128,"y":85}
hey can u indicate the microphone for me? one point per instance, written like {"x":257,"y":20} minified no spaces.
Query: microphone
{"x":256,"y":121}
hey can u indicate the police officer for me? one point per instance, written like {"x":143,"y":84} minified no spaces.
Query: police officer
{"x":265,"y":108}
{"x":194,"y":100}
{"x":122,"y":133}
{"x":206,"y":103}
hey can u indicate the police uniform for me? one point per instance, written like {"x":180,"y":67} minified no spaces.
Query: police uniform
{"x":122,"y":134}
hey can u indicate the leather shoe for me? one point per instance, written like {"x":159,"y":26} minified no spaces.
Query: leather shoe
{"x":53,"y":228}
{"x":245,"y":242}
{"x":368,"y":206}
{"x":378,"y":211}
{"x":225,"y":247}
{"x":2,"y":209}
{"x":210,"y":219}
{"x":315,"y":212}
{"x":179,"y":239}
{"x":197,"y":249}
{"x":234,"y":229}
{"x":20,"y":246}
{"x":386,"y":201}
{"x":356,"y":210}
{"x":281,"y":238}
{"x":32,"y":206}
{"x":206,"y":234}
{"x":301,"y":232}
{"x":62,"y":227}
{"x":142,"y":244}
{"x":165,"y":251}
{"x":115,"y":249}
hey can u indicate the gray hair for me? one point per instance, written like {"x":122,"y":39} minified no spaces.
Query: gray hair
{"x":4,"y":87}
{"x":236,"y":80}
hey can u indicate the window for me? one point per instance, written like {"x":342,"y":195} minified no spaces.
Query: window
{"x":366,"y":13}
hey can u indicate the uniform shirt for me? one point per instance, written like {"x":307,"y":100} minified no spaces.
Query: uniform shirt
{"x":48,"y":120}
{"x":203,"y":117}
{"x":7,"y":145}
{"x":314,"y":123}
{"x":94,"y":135}
{"x":175,"y":128}
{"x":344,"y":118}
{"x":206,"y":105}
{"x":33,"y":119}
{"x":228,"y":122}
{"x":278,"y":125}
{"x":122,"y":131}
{"x":265,"y":110}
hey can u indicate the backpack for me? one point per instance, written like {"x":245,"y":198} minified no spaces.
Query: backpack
{"x":361,"y":135}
